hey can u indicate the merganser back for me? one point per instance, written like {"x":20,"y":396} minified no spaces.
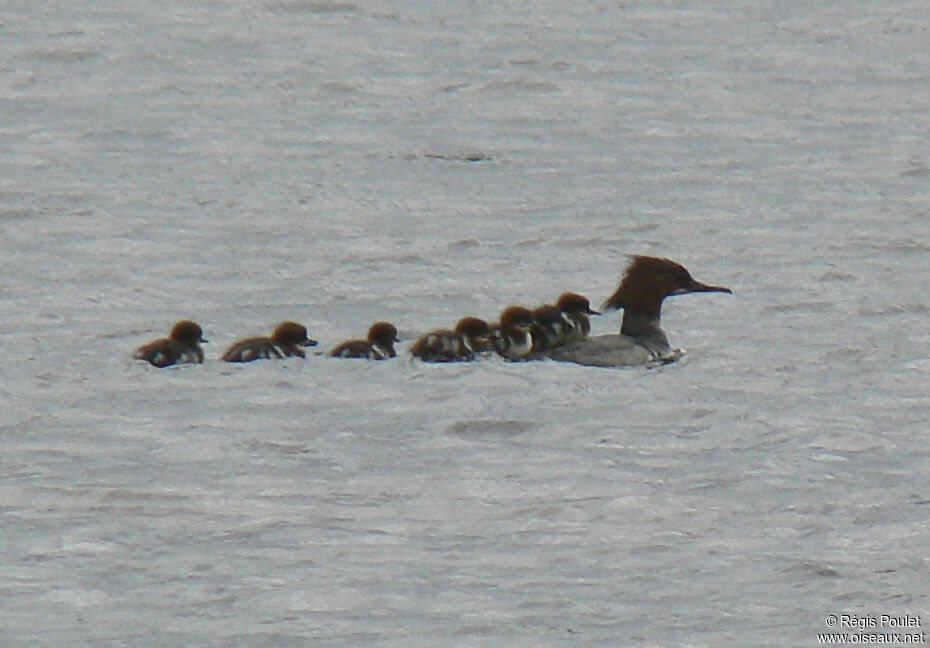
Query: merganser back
{"x":645,"y":285}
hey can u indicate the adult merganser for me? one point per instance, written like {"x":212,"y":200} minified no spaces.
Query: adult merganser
{"x":645,"y":284}
{"x":287,"y":340}
{"x":182,"y":346}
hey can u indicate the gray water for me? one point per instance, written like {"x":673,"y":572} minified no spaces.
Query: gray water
{"x":241,"y":163}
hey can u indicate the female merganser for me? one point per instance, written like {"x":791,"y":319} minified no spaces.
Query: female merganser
{"x":645,"y":284}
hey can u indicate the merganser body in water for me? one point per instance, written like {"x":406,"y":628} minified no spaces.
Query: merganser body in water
{"x":549,"y":328}
{"x":645,"y":285}
{"x":288,"y":339}
{"x":471,"y":335}
{"x":514,"y":339}
{"x":565,"y":322}
{"x":378,"y":346}
{"x":182,"y":346}
{"x":575,"y":309}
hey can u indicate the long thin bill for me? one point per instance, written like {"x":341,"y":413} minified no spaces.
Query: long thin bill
{"x":699,"y":287}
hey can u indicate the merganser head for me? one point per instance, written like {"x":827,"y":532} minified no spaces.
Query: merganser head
{"x":292,"y":334}
{"x":649,"y":280}
{"x":574,"y":303}
{"x":187,"y":332}
{"x":476,"y":334}
{"x":516,"y":318}
{"x":474,"y":328}
{"x":383,"y":334}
